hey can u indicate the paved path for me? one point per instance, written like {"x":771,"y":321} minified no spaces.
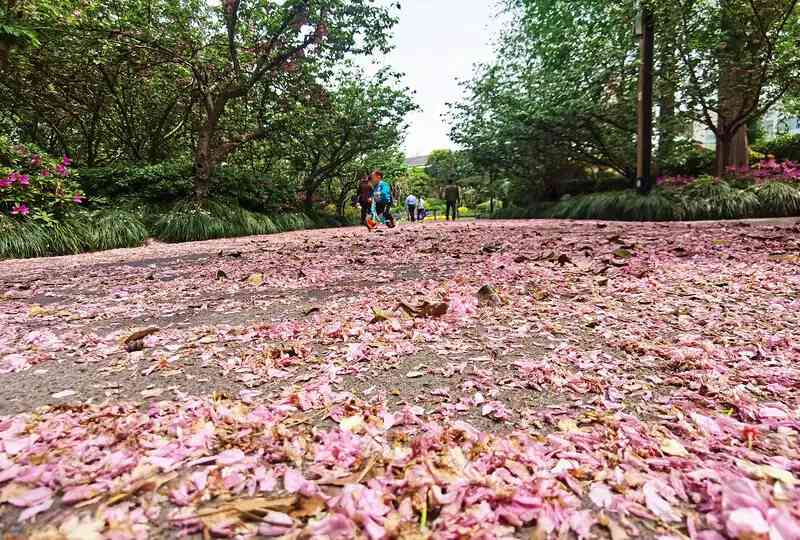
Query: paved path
{"x":480,"y":378}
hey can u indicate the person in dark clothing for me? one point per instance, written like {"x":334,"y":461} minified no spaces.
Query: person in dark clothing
{"x":452,"y":197}
{"x":365,"y":198}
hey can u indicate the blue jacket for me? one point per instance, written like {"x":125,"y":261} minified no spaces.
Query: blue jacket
{"x":382,"y":193}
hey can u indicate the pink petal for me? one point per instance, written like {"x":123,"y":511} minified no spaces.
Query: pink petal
{"x":293,"y":481}
{"x":582,"y":523}
{"x":657,"y":505}
{"x":230,"y":457}
{"x":746,"y":523}
{"x":35,"y":509}
{"x":15,"y":446}
{"x":601,"y":495}
{"x":30,"y":497}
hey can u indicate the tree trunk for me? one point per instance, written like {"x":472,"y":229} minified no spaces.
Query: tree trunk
{"x":735,"y":89}
{"x":308,"y":201}
{"x":667,"y":131}
{"x":491,"y":205}
{"x":732,"y":151}
{"x":203,"y":166}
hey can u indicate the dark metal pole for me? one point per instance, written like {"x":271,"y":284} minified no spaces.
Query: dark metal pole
{"x":644,"y":138}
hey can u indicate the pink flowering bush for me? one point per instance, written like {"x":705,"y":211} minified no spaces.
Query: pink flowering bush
{"x":36,"y":186}
{"x":770,"y":170}
{"x":763,"y":171}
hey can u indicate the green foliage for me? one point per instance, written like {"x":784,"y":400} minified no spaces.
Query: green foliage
{"x":709,"y":198}
{"x":516,"y":212}
{"x":625,"y":205}
{"x":706,"y":198}
{"x":778,"y":199}
{"x":293,"y":222}
{"x":111,"y":229}
{"x":80,"y":233}
{"x":165,"y":181}
{"x":689,"y":160}
{"x":561,"y":95}
{"x":188,"y":222}
{"x":597,"y":184}
{"x":782,"y":147}
{"x":447,"y":166}
{"x":175,"y":85}
{"x":22,"y":239}
{"x":361,"y":120}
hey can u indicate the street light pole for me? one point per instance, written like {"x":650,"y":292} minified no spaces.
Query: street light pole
{"x":645,"y":29}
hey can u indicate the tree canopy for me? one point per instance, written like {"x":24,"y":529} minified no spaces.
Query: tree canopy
{"x":560,"y":99}
{"x":148,"y":81}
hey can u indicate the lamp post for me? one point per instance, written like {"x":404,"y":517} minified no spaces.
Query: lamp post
{"x":645,"y":31}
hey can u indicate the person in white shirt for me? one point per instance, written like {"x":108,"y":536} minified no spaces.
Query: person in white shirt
{"x":421,"y":209}
{"x":411,"y":206}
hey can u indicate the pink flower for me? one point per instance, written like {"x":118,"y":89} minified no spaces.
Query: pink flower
{"x":66,"y":161}
{"x":62,"y":170}
{"x":5,"y":182}
{"x":45,"y":172}
{"x":20,"y":209}
{"x":36,"y":160}
{"x":23,"y":179}
{"x":78,"y":199}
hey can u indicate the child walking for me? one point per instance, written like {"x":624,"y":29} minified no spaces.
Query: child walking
{"x":381,"y":202}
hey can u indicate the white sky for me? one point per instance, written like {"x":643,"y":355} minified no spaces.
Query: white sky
{"x":436,"y":43}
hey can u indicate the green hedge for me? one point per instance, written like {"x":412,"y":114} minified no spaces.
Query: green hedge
{"x":188,"y":221}
{"x":598,"y":184}
{"x":166,"y":181}
{"x":130,"y":227}
{"x":705,"y":199}
{"x":88,"y":232}
{"x":171,"y":181}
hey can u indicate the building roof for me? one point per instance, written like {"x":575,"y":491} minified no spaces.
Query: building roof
{"x":417,"y":161}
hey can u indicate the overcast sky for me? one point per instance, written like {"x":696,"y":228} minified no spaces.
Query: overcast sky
{"x":436,"y":44}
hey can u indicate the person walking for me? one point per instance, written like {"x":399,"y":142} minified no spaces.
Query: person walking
{"x":452,"y":197}
{"x":421,"y":209}
{"x":365,"y":197}
{"x":411,"y":206}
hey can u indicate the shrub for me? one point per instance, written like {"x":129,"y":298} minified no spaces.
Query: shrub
{"x":36,"y":187}
{"x":187,"y":222}
{"x":625,"y":205}
{"x":598,"y":183}
{"x":711,"y":198}
{"x":25,"y":239}
{"x":22,"y":239}
{"x":783,"y":147}
{"x":172,"y":180}
{"x":166,"y":181}
{"x":778,"y":199}
{"x":111,"y":229}
{"x":293,"y":222}
{"x":689,"y":160}
{"x":771,"y":170}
